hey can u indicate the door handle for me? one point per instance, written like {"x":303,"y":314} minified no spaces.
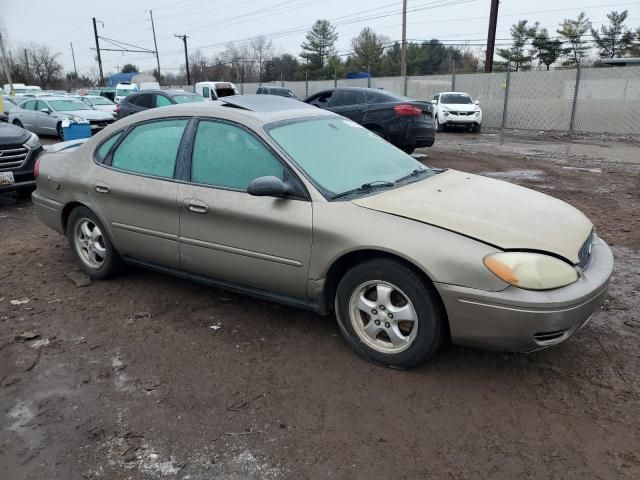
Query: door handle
{"x":196,"y":206}
{"x":101,"y":188}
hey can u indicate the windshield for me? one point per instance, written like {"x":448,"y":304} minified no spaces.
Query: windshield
{"x":123,"y":92}
{"x":456,"y":98}
{"x":101,"y":101}
{"x":344,"y":154}
{"x":188,"y":98}
{"x":20,"y":90}
{"x":68,"y":105}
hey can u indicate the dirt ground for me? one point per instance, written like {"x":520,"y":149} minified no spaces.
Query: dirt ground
{"x":127,"y":379}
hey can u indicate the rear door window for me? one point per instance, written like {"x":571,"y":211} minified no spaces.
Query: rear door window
{"x":145,"y":100}
{"x":103,"y":150}
{"x":150,"y":148}
{"x":228,"y":156}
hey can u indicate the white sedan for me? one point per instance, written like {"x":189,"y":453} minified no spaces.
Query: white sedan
{"x":457,"y":109}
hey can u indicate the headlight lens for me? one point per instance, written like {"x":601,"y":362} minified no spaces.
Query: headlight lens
{"x":33,"y":142}
{"x":532,"y":271}
{"x":73,"y":118}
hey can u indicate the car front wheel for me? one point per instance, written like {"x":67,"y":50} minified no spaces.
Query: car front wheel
{"x":439,"y":126}
{"x":388,"y":314}
{"x":18,"y":123}
{"x":91,"y":246}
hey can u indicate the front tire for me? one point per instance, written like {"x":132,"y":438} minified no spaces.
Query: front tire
{"x":439,"y":126}
{"x":388,"y":314}
{"x":18,"y":123}
{"x":476,"y":128}
{"x":91,"y":246}
{"x":60,"y":131}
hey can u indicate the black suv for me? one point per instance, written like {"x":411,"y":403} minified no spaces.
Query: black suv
{"x":145,"y":99}
{"x":406,"y":123}
{"x":18,"y":152}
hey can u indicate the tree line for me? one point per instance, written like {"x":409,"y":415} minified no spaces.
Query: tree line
{"x":258,"y":60}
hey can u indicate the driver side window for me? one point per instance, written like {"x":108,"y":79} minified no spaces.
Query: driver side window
{"x":228,"y":156}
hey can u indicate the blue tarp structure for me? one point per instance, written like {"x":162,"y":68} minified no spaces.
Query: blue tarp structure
{"x":352,"y":75}
{"x":117,"y":78}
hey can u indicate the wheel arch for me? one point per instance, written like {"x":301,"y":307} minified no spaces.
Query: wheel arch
{"x":342,"y":264}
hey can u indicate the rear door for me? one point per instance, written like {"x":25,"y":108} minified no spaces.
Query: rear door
{"x":227,"y":234}
{"x":135,"y":191}
{"x":349,"y":103}
{"x":26,"y":115}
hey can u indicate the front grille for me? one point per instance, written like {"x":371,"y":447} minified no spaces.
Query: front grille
{"x":584,"y":255}
{"x":12,"y":156}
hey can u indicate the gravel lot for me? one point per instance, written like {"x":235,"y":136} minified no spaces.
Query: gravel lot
{"x":127,"y":379}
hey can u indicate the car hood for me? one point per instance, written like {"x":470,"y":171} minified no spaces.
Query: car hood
{"x":105,"y":108}
{"x":11,"y":134}
{"x":89,"y":114}
{"x":495,"y":212}
{"x":460,"y":107}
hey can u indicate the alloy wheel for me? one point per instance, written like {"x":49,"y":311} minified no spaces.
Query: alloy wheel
{"x":89,"y":243}
{"x":383,"y":317}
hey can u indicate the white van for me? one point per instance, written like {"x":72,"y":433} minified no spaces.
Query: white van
{"x":124,"y":89}
{"x":216,"y":90}
{"x":19,"y":89}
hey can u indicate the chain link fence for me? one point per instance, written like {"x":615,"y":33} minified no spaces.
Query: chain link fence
{"x":590,"y":100}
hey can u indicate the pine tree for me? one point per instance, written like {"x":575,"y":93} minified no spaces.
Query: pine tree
{"x":544,"y":49}
{"x":574,"y":31}
{"x":320,"y":43}
{"x":517,"y":56}
{"x":614,"y":40}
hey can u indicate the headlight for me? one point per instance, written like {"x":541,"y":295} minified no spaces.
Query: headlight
{"x":33,"y":142}
{"x":73,"y":118}
{"x":532,"y":271}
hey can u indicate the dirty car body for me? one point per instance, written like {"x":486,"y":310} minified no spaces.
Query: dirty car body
{"x":271,"y":197}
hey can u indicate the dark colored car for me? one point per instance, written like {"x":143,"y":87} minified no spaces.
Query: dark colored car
{"x":280,"y":91}
{"x":139,"y":101}
{"x":19,"y":149}
{"x":406,"y":123}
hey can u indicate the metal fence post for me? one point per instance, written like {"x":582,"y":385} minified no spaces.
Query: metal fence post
{"x":572,"y":123}
{"x":453,"y":77}
{"x":306,"y":83}
{"x":406,"y":85}
{"x":335,"y":78}
{"x":506,"y":97}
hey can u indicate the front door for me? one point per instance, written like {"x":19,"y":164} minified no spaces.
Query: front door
{"x":46,"y":123}
{"x":227,"y":234}
{"x":135,"y":192}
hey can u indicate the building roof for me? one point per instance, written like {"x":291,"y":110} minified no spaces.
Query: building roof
{"x":621,"y":61}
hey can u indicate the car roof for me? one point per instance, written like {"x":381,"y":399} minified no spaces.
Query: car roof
{"x":167,"y":92}
{"x":249,"y":111}
{"x":454,"y":93}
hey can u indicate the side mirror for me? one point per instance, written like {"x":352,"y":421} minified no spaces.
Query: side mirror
{"x":268,"y":187}
{"x":477,"y":102}
{"x":45,"y":110}
{"x":435,"y":102}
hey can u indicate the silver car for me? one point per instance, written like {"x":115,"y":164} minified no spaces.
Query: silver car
{"x":291,"y":203}
{"x":46,"y":115}
{"x":97,"y":102}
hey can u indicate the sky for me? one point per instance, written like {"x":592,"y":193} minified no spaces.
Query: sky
{"x":210,"y":24}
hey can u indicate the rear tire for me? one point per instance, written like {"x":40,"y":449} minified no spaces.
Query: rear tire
{"x":388,"y":314}
{"x":378,"y":131}
{"x":91,"y":246}
{"x":18,"y":123}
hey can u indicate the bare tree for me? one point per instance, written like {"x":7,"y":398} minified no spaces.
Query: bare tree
{"x":46,"y":67}
{"x":261,"y":49}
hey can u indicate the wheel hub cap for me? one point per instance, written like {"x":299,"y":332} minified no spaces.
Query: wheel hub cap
{"x":89,"y":243}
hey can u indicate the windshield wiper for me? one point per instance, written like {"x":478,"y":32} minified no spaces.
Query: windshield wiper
{"x":413,"y":173}
{"x":365,"y":187}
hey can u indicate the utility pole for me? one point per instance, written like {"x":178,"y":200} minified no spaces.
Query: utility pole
{"x":26,"y":61}
{"x":186,"y":56}
{"x":95,"y":34}
{"x":155,"y":43}
{"x":73,"y":55}
{"x":491,"y":37}
{"x":7,"y":70}
{"x":403,"y":52}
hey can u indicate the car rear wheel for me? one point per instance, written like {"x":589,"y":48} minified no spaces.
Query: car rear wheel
{"x":60,"y":131}
{"x":408,"y":150}
{"x":91,"y":246}
{"x":18,"y":123}
{"x":388,"y":314}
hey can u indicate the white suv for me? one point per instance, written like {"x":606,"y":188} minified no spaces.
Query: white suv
{"x":456,"y":109}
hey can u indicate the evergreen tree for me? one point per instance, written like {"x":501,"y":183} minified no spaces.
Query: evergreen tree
{"x":319,"y":44}
{"x":614,"y":40}
{"x":574,"y":31}
{"x":517,"y":56}
{"x":544,"y":49}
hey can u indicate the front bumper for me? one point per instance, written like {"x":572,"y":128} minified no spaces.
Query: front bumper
{"x":520,"y":320}
{"x":460,"y":119}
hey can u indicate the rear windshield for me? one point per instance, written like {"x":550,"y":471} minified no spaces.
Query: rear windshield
{"x":455,"y":98}
{"x":225,"y":92}
{"x":68,"y":105}
{"x":188,"y":98}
